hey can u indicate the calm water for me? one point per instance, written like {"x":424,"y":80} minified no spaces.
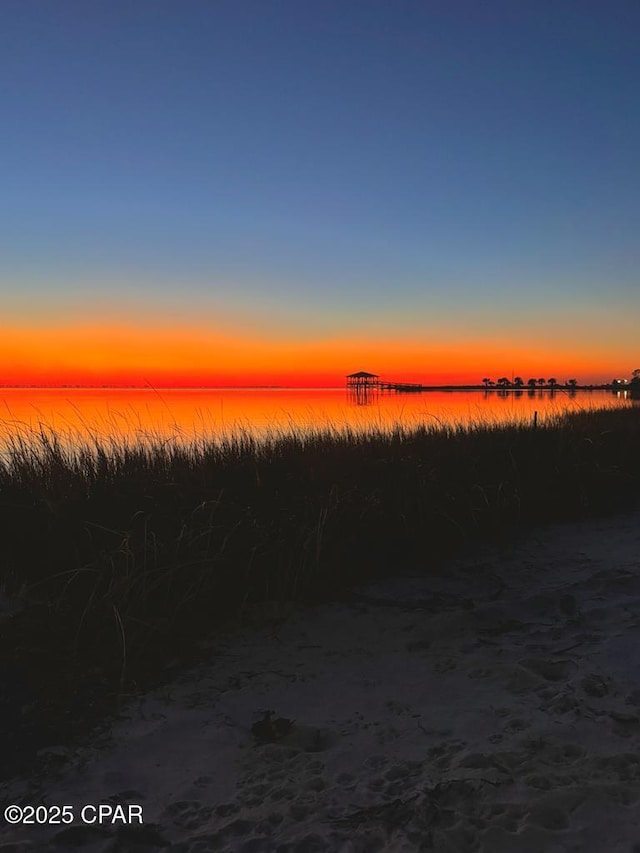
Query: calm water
{"x":79,"y":414}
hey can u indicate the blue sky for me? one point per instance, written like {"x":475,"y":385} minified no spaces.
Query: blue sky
{"x":324,"y":168}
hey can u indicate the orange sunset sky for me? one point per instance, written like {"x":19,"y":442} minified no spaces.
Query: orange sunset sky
{"x":193,"y":355}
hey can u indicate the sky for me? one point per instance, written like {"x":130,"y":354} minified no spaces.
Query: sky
{"x":286,"y":191}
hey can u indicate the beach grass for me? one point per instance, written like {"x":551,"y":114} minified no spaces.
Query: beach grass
{"x":121,"y":560}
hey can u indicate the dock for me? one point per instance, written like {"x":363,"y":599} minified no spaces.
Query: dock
{"x":364,"y":384}
{"x":401,"y":387}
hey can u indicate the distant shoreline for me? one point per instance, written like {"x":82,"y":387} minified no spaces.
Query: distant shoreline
{"x":410,"y":387}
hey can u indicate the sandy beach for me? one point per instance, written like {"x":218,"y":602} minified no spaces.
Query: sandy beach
{"x":493,"y":705}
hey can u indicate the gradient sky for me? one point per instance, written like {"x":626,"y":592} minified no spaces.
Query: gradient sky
{"x":285,"y":191}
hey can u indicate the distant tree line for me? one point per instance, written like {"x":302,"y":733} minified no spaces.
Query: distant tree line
{"x":518,"y":382}
{"x":632,"y":384}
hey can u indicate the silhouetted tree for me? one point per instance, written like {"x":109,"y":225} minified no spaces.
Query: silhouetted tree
{"x":532,"y":383}
{"x":552,"y":382}
{"x":541,"y":381}
{"x":518,"y":381}
{"x":572,"y":383}
{"x":486,"y":382}
{"x":503,"y":382}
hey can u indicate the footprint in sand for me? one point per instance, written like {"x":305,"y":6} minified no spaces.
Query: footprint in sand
{"x":549,"y":817}
{"x":311,"y":739}
{"x":189,"y":815}
{"x":595,"y":685}
{"x":624,"y":725}
{"x":550,"y":670}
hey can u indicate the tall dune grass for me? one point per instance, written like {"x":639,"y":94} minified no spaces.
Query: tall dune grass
{"x":124,"y":556}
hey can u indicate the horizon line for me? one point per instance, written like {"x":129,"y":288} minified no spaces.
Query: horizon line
{"x":149,"y":387}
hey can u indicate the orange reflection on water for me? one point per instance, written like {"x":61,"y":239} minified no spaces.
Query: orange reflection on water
{"x":130,"y":414}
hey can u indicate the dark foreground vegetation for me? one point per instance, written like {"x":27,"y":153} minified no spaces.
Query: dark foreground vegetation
{"x":122,"y":561}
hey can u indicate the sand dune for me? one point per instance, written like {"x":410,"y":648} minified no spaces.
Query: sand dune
{"x":492,"y":707}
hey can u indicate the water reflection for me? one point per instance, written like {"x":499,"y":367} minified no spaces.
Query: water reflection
{"x":90,"y":415}
{"x":632,"y":394}
{"x":362,"y":395}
